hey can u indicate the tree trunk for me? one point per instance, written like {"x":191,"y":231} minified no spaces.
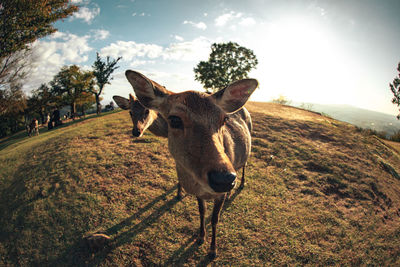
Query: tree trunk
{"x":41,"y":116}
{"x":98,"y":105}
{"x":73,"y":108}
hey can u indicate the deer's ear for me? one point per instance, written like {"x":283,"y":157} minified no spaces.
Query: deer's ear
{"x":150,"y":94}
{"x":122,"y":102}
{"x":233,"y":97}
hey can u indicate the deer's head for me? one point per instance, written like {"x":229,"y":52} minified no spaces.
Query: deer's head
{"x":197,"y":126}
{"x":141,"y":117}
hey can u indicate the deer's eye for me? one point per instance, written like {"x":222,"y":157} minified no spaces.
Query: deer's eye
{"x":226,"y":118}
{"x":175,"y":122}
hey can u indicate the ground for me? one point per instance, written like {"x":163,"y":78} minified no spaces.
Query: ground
{"x":317,"y":192}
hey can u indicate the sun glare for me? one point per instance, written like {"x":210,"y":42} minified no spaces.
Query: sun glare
{"x":303,"y":62}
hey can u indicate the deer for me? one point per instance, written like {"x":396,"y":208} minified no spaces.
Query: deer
{"x":144,"y":118}
{"x":208,"y":137}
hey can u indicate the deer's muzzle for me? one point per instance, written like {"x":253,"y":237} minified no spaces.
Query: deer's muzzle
{"x":136,"y":132}
{"x":221,"y":181}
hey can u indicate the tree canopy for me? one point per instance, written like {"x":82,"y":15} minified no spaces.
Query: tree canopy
{"x":228,"y":62}
{"x":24,"y":21}
{"x":395,"y":88}
{"x":71,"y":84}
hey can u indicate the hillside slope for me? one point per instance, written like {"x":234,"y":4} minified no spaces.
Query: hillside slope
{"x":317,"y":192}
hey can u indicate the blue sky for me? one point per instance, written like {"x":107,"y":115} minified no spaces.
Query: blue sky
{"x":330,"y":52}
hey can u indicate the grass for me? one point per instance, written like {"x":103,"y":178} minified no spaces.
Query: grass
{"x":318,"y":192}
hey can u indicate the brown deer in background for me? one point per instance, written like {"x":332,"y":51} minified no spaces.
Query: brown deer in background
{"x":208,"y":137}
{"x":142,"y":118}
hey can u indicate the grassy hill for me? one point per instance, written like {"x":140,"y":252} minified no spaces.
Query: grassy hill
{"x":318,"y":192}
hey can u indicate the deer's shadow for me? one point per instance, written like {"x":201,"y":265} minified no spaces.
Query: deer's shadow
{"x":79,"y":254}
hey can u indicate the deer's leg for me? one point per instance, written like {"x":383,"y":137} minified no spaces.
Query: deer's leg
{"x":218,"y":202}
{"x":202,"y":210}
{"x":242,"y":182}
{"x":179,"y":195}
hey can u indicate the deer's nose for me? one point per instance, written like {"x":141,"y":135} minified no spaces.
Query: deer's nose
{"x":221,"y":181}
{"x":136,"y":132}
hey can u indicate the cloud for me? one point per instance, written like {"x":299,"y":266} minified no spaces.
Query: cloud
{"x":186,"y":51}
{"x":86,"y":14}
{"x":247,"y":22}
{"x":225,"y":18}
{"x":143,"y":14}
{"x":100,"y":34}
{"x":179,"y":38}
{"x":136,"y":63}
{"x":131,"y":50}
{"x":50,"y":56}
{"x":201,"y":25}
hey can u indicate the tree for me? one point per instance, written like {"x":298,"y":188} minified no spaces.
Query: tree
{"x":24,"y":21}
{"x":85,"y":102}
{"x":41,"y":102}
{"x":12,"y":105}
{"x":281,"y":100}
{"x":102,"y":70}
{"x":21,"y":23}
{"x":395,"y":88}
{"x":12,"y":100}
{"x":70,"y":84}
{"x":228,"y":62}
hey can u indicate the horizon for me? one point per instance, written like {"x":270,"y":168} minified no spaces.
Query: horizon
{"x":348,"y":48}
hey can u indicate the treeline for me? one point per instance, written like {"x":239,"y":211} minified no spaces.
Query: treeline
{"x":71,"y":86}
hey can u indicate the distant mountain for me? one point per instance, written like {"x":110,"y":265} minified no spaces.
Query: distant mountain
{"x":363,"y":118}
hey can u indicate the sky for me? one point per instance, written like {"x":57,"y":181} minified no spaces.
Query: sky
{"x":310,"y":51}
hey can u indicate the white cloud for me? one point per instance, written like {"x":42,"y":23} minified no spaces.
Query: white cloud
{"x":186,"y":51}
{"x":100,"y":34}
{"x":50,"y":56}
{"x":143,"y":14}
{"x":137,"y":63}
{"x":69,"y":47}
{"x":201,"y":25}
{"x":247,"y":22}
{"x":86,"y":14}
{"x":225,"y":18}
{"x":179,"y":38}
{"x":131,"y":50}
